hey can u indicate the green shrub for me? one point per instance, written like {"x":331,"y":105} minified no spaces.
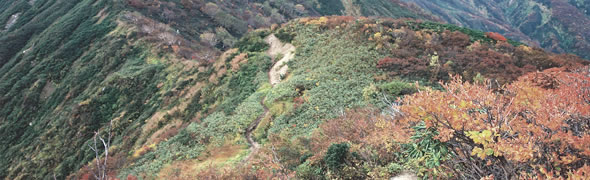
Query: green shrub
{"x":336,"y":155}
{"x":284,"y":36}
{"x":187,"y":144}
{"x":252,"y":43}
{"x":426,"y":153}
{"x":309,"y":171}
{"x":398,"y":88}
{"x":395,"y":168}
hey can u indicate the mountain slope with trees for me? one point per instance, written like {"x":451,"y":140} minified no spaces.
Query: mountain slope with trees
{"x":174,"y":89}
{"x":335,"y":114}
{"x":560,"y":26}
{"x":68,"y":69}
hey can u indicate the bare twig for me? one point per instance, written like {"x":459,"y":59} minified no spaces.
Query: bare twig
{"x":101,"y":164}
{"x":393,"y":107}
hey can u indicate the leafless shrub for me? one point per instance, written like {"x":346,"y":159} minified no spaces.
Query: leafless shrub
{"x":101,"y":163}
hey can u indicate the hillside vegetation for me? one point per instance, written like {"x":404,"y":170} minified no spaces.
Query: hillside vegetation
{"x":183,"y":90}
{"x":560,"y":26}
{"x":70,"y":68}
{"x":335,"y":114}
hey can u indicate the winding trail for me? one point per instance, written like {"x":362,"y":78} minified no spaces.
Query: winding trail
{"x":274,"y":75}
{"x":280,"y":67}
{"x":254,"y":146}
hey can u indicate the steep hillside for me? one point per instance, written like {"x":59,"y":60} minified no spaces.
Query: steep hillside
{"x":68,"y":68}
{"x":332,"y":114}
{"x":249,"y":126}
{"x":182,"y":89}
{"x":560,"y":26}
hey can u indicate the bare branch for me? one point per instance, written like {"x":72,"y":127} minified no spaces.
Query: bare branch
{"x":101,"y":164}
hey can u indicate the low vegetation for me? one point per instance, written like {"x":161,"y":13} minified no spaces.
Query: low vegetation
{"x":363,"y":98}
{"x":375,"y":124}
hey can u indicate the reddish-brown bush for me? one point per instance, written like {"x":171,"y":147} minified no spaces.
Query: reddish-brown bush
{"x":504,"y":47}
{"x":369,"y":132}
{"x":425,"y":55}
{"x":131,"y":177}
{"x":405,"y":67}
{"x":455,"y":38}
{"x":297,"y":101}
{"x":490,"y":64}
{"x":113,"y":164}
{"x":496,"y":36}
{"x":538,"y":124}
{"x":568,"y":62}
{"x":339,"y":20}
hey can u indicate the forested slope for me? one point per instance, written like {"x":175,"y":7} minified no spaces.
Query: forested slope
{"x":183,"y":89}
{"x":68,"y":68}
{"x":560,"y":26}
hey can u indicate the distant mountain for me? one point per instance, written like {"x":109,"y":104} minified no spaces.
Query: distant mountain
{"x":561,"y":26}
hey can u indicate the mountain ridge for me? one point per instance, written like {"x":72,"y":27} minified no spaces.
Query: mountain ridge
{"x":557,"y":25}
{"x":181,"y":81}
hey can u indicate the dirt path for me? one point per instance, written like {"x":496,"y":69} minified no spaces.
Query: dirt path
{"x":254,"y":146}
{"x":280,"y":67}
{"x":405,"y":176}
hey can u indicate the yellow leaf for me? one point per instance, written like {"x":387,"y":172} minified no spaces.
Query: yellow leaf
{"x":481,"y":155}
{"x":497,"y":153}
{"x":486,"y":133}
{"x":489,"y":151}
{"x":463,"y":104}
{"x":377,"y":35}
{"x":465,"y":116}
{"x":475,"y":151}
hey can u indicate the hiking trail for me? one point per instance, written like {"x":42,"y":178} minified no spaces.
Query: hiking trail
{"x":274,"y":75}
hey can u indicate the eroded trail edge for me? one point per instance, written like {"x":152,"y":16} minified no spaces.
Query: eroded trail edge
{"x":280,"y":67}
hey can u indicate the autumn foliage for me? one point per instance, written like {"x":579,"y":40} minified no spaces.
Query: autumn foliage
{"x":372,"y":136}
{"x":496,"y":36}
{"x":433,"y":56}
{"x":505,"y":112}
{"x":538,"y":126}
